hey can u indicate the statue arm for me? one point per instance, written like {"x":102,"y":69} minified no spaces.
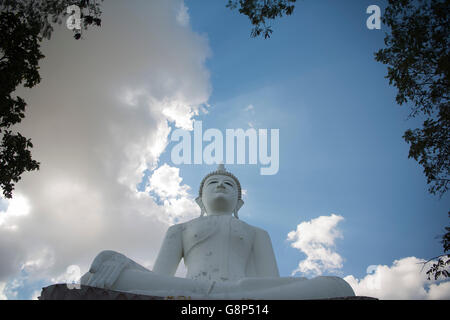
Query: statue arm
{"x":171,"y":252}
{"x":264,"y":261}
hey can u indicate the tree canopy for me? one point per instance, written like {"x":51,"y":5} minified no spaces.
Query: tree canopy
{"x":417,"y":56}
{"x":260,"y":11}
{"x":23,"y":25}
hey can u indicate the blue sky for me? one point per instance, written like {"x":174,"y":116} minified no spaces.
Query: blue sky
{"x":341,"y":146}
{"x":316,"y":80}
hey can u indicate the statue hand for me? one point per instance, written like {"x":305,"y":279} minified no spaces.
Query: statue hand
{"x":106,"y":268}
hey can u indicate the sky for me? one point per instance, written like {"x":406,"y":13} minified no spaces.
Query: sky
{"x":346,"y":200}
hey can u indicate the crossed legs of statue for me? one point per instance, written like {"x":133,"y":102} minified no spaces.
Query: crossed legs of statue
{"x":114,"y":271}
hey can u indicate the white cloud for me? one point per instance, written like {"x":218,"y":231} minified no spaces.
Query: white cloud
{"x":439,"y":291}
{"x":2,"y":291}
{"x":98,"y":120}
{"x":180,"y":210}
{"x":183,"y":15}
{"x":35,"y":295}
{"x":316,"y":239}
{"x":15,"y":208}
{"x":71,"y":275}
{"x":10,"y":289}
{"x":250,"y":107}
{"x":166,"y":182}
{"x":178,"y":205}
{"x":180,"y":113}
{"x":405,"y":279}
{"x":38,"y":261}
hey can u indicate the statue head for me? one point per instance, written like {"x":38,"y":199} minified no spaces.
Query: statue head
{"x":220,"y":193}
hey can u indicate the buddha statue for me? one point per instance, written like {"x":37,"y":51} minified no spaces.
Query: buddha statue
{"x":225,"y":257}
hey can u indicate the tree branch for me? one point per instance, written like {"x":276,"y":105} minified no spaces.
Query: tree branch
{"x":426,"y":262}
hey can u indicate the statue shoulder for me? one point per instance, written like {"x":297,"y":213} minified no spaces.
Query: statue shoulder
{"x":261,"y":231}
{"x":182,"y":226}
{"x":254,"y":229}
{"x":174,"y":230}
{"x":193,"y":221}
{"x":260,"y":235}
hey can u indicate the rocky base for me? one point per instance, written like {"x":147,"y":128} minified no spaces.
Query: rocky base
{"x":62,"y":292}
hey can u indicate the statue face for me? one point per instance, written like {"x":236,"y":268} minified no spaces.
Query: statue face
{"x":219,"y":195}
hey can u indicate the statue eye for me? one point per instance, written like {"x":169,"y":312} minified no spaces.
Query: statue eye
{"x":211,"y":182}
{"x":229,"y":183}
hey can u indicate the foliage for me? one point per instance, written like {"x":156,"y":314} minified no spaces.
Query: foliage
{"x":259,"y":11}
{"x":417,"y":56}
{"x":439,"y":268}
{"x":23,"y":26}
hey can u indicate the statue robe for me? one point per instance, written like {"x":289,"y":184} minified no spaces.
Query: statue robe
{"x":217,"y":248}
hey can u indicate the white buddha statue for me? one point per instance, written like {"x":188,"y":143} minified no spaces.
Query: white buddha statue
{"x":225,"y":257}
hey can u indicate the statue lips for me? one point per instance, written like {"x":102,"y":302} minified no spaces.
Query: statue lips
{"x":222,"y":197}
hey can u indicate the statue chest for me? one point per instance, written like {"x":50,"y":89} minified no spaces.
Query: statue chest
{"x":217,"y":248}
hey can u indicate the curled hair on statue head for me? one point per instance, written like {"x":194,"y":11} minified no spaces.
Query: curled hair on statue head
{"x":221,"y":171}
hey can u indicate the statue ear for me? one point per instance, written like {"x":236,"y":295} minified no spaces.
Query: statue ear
{"x":239,"y":204}
{"x":201,"y":205}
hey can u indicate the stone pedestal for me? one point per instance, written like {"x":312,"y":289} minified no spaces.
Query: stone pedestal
{"x":62,"y":292}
